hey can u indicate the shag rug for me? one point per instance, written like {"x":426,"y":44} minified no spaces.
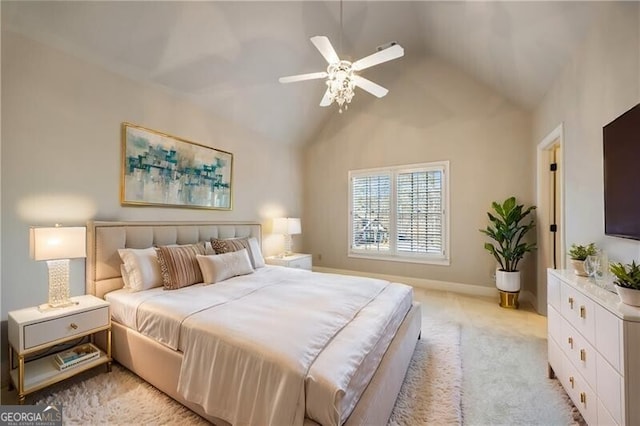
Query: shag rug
{"x":505,"y":377}
{"x":431,"y":393}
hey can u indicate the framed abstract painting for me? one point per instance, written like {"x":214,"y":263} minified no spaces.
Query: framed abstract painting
{"x":163,"y":170}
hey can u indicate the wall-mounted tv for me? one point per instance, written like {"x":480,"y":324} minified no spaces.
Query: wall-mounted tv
{"x":621,"y":142}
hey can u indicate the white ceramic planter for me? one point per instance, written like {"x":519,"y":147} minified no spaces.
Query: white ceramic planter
{"x":629,"y":296}
{"x":508,"y":281}
{"x":578,"y":268}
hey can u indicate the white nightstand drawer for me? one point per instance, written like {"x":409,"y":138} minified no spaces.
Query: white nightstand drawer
{"x":68,"y":326}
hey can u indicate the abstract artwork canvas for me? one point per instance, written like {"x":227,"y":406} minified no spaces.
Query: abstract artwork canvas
{"x":163,"y":170}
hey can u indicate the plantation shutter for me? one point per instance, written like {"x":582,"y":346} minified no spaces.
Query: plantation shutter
{"x":371,"y":211}
{"x":419,"y":219}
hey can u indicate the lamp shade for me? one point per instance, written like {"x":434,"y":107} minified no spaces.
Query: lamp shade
{"x":57,"y":243}
{"x":287,"y":226}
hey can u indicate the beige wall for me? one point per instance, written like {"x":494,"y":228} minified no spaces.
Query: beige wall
{"x":600,"y":83}
{"x":61,"y":158}
{"x":432,"y":112}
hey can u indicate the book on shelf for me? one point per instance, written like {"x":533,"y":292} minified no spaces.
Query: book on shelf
{"x":76,"y":355}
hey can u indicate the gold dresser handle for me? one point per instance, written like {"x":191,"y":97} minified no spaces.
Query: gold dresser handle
{"x":570,"y":341}
{"x":583,"y":355}
{"x":571,"y":302}
{"x":583,"y":398}
{"x":572,"y":381}
{"x":74,"y":326}
{"x":583,"y":312}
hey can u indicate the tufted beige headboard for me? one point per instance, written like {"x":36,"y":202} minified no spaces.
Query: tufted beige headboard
{"x":105,"y":238}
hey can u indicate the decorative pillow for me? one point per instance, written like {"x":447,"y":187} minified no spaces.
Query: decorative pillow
{"x":179,"y":265}
{"x":256,"y":253}
{"x":220,"y":267}
{"x":237,"y":244}
{"x":141,"y":268}
{"x":208,"y":248}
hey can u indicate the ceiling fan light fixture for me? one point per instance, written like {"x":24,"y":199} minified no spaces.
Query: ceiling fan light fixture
{"x":340,"y":84}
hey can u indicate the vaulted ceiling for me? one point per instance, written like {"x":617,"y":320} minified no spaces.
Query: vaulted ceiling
{"x":227,"y":56}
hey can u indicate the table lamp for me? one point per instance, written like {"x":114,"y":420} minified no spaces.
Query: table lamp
{"x":57,"y":245}
{"x":287,"y":226}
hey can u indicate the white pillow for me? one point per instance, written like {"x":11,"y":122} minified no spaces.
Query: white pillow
{"x":256,"y":253}
{"x":142,"y":268}
{"x":219,"y":267}
{"x":125,"y":276}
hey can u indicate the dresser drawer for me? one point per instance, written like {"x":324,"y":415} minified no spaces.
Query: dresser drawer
{"x":579,"y":311}
{"x":580,"y":352}
{"x":64,"y":327}
{"x":582,"y":395}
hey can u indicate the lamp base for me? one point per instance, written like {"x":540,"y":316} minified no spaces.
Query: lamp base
{"x":59,"y":283}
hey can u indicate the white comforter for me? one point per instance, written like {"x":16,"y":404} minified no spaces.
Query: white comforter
{"x":246,"y":365}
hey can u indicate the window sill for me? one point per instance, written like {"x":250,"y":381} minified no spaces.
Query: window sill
{"x":404,"y":259}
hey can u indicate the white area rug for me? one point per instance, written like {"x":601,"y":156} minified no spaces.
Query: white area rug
{"x":507,"y":376}
{"x":429,"y":395}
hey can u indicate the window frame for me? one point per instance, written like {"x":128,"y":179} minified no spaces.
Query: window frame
{"x":393,"y":255}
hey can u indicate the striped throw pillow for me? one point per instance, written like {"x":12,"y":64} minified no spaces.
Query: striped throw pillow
{"x":179,"y":265}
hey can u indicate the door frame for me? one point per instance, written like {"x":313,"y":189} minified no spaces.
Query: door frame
{"x":543,"y":194}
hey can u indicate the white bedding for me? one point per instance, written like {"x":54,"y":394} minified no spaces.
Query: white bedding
{"x":322,"y":360}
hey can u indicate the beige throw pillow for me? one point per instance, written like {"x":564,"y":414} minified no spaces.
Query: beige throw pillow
{"x":220,"y":267}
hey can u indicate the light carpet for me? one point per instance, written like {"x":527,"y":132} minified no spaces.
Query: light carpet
{"x":506,"y":375}
{"x":430,"y":393}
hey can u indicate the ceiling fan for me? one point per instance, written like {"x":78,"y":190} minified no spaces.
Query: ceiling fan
{"x":342,"y":75}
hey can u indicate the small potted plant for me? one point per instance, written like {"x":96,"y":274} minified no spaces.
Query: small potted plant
{"x":508,"y":228}
{"x":627,"y":282}
{"x":578,"y":254}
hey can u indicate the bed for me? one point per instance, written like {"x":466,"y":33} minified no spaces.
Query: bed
{"x":347,"y":374}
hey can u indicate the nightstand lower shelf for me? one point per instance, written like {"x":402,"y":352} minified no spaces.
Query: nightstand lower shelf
{"x":43,"y":372}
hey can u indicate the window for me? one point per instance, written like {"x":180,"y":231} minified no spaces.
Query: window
{"x":400,"y":213}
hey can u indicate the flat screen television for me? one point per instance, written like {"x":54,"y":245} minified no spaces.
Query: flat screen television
{"x":621,"y":143}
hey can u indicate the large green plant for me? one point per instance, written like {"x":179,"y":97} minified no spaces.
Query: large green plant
{"x":508,"y":230}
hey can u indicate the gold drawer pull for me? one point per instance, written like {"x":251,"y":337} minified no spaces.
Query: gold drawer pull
{"x":583,"y":355}
{"x":74,"y":326}
{"x":570,"y":341}
{"x":572,"y":381}
{"x":583,"y":312}
{"x":571,"y":302}
{"x":583,"y":398}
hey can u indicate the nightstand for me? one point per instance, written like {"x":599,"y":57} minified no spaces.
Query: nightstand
{"x":32,"y":331}
{"x":296,"y":260}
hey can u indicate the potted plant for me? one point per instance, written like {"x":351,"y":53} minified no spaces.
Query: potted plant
{"x":627,"y":282}
{"x":578,"y":253}
{"x":508,"y":228}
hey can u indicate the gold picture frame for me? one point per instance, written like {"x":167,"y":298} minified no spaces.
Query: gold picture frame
{"x":159,"y":169}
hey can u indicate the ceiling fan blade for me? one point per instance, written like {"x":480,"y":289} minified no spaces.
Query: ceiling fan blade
{"x":370,"y":86}
{"x":326,"y":99}
{"x":323,"y":44}
{"x":302,"y":77}
{"x":385,"y":55}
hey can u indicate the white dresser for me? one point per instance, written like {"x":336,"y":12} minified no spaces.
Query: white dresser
{"x":594,"y":349}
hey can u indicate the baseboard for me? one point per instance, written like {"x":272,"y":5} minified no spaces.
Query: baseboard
{"x":468,"y":289}
{"x":528,"y":297}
